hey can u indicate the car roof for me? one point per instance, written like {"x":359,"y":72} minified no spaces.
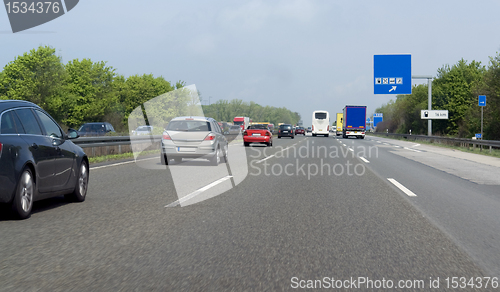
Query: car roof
{"x":96,"y":123}
{"x":193,"y":117}
{"x":8,"y":104}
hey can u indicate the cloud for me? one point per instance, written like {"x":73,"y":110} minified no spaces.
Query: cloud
{"x":255,"y":15}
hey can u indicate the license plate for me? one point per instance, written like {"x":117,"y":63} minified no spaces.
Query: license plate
{"x":285,"y":131}
{"x":320,"y":130}
{"x":184,"y":149}
{"x":255,"y":134}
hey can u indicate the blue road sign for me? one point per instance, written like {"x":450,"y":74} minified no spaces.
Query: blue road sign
{"x":377,"y":118}
{"x":478,"y":136}
{"x":392,"y":74}
{"x":482,"y":100}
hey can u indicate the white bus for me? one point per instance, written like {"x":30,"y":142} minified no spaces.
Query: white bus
{"x":320,"y":123}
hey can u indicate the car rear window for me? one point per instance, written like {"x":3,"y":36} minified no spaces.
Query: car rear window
{"x":320,"y":116}
{"x":10,"y":124}
{"x":260,"y":127}
{"x":285,"y":127}
{"x":189,"y":126}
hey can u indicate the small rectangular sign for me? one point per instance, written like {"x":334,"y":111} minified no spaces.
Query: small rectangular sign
{"x":434,"y":114}
{"x":478,"y":136}
{"x":482,"y":100}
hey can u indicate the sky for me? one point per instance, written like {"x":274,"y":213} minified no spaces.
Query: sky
{"x":302,"y":55}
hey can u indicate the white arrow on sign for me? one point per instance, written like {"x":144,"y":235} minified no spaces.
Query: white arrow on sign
{"x":393,"y":88}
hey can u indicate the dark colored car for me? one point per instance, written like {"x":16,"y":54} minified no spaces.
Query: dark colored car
{"x":37,"y":159}
{"x":95,"y":129}
{"x":285,"y":130}
{"x":300,"y":131}
{"x":309,"y":129}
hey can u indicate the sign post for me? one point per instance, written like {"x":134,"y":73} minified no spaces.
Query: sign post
{"x":482,"y":104}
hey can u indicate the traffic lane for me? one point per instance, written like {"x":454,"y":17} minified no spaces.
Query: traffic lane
{"x":466,"y":211}
{"x":275,"y":228}
{"x":476,"y":168}
{"x":256,"y":236}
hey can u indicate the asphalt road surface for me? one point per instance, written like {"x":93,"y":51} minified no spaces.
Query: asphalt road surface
{"x":304,"y":213}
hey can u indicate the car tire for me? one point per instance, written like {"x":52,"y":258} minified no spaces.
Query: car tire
{"x":293,"y":137}
{"x":215,"y":160}
{"x":225,"y":154}
{"x":82,"y":183}
{"x":314,"y":135}
{"x":22,"y":204}
{"x":246,"y":144}
{"x":279,"y":137}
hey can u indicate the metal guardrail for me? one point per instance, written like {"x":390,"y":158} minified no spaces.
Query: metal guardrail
{"x":455,"y":141}
{"x":85,"y":142}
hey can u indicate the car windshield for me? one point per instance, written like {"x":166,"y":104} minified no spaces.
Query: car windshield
{"x":189,"y":126}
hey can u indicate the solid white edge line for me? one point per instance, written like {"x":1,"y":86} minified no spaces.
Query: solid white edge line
{"x":197,"y":192}
{"x":364,"y":159}
{"x":121,"y":163}
{"x":412,"y":149}
{"x":402,"y":187}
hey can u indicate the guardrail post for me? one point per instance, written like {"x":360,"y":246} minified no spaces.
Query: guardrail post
{"x":490,"y":149}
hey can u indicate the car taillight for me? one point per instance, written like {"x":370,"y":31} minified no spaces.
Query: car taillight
{"x":328,"y":128}
{"x":362,"y":133}
{"x":0,"y":147}
{"x":166,"y":137}
{"x":245,"y":133}
{"x":210,"y":137}
{"x":313,"y":127}
{"x":268,"y":134}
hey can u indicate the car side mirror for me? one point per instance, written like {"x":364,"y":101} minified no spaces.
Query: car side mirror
{"x":72,"y":134}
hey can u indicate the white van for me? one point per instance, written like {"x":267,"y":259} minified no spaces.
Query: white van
{"x":320,"y":123}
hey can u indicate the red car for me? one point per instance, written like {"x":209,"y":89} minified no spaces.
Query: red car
{"x":257,"y":134}
{"x":300,"y":130}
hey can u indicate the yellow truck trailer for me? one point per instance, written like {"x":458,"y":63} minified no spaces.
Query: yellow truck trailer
{"x":340,"y":116}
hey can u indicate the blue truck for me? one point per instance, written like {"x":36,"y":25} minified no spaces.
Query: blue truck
{"x":354,"y":123}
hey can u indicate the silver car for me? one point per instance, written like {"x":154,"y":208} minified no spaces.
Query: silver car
{"x":143,"y":130}
{"x":193,"y":137}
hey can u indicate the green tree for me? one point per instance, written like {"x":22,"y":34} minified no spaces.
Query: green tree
{"x":453,"y":90}
{"x":90,"y":91}
{"x":37,"y":76}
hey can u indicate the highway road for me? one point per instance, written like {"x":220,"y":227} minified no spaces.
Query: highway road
{"x":304,"y":213}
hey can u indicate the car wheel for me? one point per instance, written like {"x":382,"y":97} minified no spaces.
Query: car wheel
{"x":225,"y":154}
{"x":23,"y":200}
{"x":216,"y":159}
{"x":293,"y":137}
{"x":82,"y":182}
{"x":246,"y":144}
{"x":279,"y":137}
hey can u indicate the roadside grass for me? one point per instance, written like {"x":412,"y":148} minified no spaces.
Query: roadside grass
{"x":104,"y":158}
{"x":477,"y":150}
